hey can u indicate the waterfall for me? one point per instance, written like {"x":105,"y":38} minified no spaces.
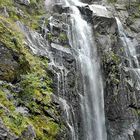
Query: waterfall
{"x":131,"y":55}
{"x":92,"y":102}
{"x":130,"y":52}
{"x":128,"y":45}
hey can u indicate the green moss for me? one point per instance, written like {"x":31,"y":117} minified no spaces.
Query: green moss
{"x":34,"y":81}
{"x":30,"y":14}
{"x":5,"y":103}
{"x":16,"y":122}
{"x":46,"y":129}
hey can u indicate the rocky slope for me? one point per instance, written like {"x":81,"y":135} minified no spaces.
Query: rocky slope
{"x":26,"y":109}
{"x":38,"y":66}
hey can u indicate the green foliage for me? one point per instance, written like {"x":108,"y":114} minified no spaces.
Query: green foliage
{"x":8,"y":31}
{"x":46,"y":129}
{"x":5,"y":103}
{"x":34,"y":82}
{"x":16,"y":122}
{"x":30,"y":14}
{"x":34,"y":85}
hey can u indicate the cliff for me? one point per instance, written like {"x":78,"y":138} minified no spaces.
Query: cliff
{"x":41,"y":81}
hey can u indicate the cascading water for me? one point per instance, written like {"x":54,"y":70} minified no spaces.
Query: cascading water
{"x":130,"y":52}
{"x":133,"y":63}
{"x":128,"y":45}
{"x":92,"y":102}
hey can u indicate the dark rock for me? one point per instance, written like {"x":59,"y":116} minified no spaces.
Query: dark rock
{"x":87,"y":13}
{"x":104,"y":25}
{"x":23,"y":2}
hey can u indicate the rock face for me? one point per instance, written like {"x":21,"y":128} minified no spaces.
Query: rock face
{"x":50,"y":41}
{"x":121,"y":93}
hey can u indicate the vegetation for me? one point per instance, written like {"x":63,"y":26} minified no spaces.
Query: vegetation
{"x":33,"y":82}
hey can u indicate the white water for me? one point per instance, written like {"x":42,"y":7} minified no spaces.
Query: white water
{"x":130,"y":50}
{"x":134,"y":67}
{"x":92,"y":102}
{"x":128,"y":45}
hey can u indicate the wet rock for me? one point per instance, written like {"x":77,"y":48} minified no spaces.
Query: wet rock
{"x":87,"y":13}
{"x":35,"y":41}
